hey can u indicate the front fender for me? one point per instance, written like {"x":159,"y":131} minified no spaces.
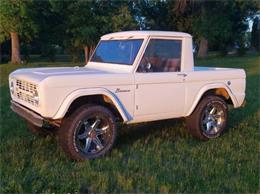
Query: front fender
{"x":93,"y":91}
{"x":207,"y":87}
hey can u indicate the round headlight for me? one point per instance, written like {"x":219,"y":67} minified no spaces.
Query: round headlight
{"x":12,"y":87}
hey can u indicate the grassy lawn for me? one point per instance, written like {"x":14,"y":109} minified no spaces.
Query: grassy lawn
{"x":147,"y":158}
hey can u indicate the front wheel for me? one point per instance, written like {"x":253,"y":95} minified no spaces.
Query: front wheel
{"x":88,"y":133}
{"x":209,"y":118}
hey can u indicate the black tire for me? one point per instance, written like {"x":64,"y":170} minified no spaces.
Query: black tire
{"x":88,"y":133}
{"x":204,"y":124}
{"x":41,"y":131}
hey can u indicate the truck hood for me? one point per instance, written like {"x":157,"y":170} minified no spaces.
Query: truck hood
{"x":38,"y":74}
{"x":69,"y":76}
{"x":64,"y":71}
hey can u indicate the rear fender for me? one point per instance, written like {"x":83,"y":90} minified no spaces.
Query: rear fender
{"x":208,"y":87}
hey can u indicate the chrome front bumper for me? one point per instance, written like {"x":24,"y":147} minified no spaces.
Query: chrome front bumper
{"x":27,"y":114}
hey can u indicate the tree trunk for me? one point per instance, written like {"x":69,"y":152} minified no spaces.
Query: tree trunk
{"x":86,"y":50}
{"x":15,"y":48}
{"x":92,"y":48}
{"x":203,"y":48}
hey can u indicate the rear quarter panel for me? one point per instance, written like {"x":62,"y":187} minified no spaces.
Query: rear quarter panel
{"x":198,"y":82}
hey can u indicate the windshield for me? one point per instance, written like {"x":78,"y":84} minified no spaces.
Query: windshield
{"x":117,"y":51}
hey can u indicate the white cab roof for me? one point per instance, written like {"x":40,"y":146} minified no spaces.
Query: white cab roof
{"x":132,"y":34}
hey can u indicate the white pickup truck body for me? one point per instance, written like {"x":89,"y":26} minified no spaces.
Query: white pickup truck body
{"x":138,"y":96}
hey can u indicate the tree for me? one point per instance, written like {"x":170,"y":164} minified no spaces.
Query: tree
{"x":255,"y":35}
{"x":95,"y":19}
{"x":16,"y":21}
{"x":123,"y":20}
{"x":50,"y":17}
{"x":3,"y":36}
{"x":81,"y":31}
{"x":216,"y":23}
{"x":153,"y":14}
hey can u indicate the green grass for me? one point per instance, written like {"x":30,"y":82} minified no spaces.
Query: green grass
{"x":147,"y":158}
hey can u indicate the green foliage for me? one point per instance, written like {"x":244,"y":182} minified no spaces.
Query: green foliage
{"x":222,"y":23}
{"x":123,"y":20}
{"x":26,"y":52}
{"x":241,"y":43}
{"x":88,"y":20}
{"x":156,"y":157}
{"x":85,"y":21}
{"x":74,"y":25}
{"x":50,"y":52}
{"x":80,"y":28}
{"x":17,"y":16}
{"x":50,"y":19}
{"x":255,"y":36}
{"x":153,"y":14}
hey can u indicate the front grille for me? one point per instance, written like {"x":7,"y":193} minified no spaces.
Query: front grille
{"x":26,"y":98}
{"x":25,"y":91}
{"x":26,"y":86}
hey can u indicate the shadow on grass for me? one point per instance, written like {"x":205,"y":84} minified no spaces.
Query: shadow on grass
{"x":171,"y":129}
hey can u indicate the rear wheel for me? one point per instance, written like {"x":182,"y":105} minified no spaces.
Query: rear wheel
{"x":209,"y":119}
{"x":88,"y":133}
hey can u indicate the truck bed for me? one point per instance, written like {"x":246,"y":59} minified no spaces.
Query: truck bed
{"x":204,"y":68}
{"x":201,"y":73}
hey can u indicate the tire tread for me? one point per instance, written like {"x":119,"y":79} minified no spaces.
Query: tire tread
{"x":193,"y":121}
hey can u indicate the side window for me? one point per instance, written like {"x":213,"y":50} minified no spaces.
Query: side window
{"x":161,"y":55}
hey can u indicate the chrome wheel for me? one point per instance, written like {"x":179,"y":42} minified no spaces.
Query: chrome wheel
{"x":93,"y":135}
{"x":213,"y":120}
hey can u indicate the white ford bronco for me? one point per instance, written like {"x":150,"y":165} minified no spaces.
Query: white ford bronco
{"x":132,"y":77}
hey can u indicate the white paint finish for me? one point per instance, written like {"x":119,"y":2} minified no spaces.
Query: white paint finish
{"x":158,"y":96}
{"x":58,"y":85}
{"x":153,"y":117}
{"x":137,"y":34}
{"x":54,"y":87}
{"x":65,"y":71}
{"x":203,"y":79}
{"x":194,"y":92}
{"x":102,"y":91}
{"x":187,"y":55}
{"x":126,"y":98}
{"x":107,"y":67}
{"x":238,"y":87}
{"x":159,"y":93}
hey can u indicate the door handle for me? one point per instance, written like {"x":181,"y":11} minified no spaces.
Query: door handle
{"x":182,"y":74}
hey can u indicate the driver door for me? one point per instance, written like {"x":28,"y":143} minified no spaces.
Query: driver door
{"x":160,"y":90}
